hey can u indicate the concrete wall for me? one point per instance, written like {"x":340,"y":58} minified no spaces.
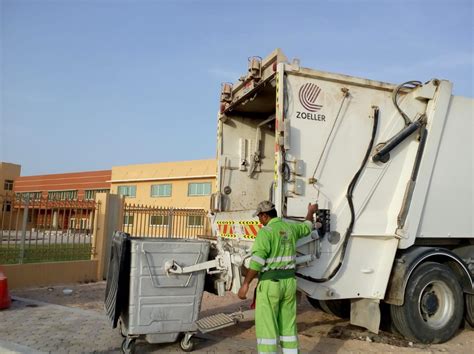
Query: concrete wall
{"x":109,"y":220}
{"x":43,"y":274}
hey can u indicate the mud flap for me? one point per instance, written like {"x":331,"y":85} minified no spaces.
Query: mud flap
{"x":366,"y":313}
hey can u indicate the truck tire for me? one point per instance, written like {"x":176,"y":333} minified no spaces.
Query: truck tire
{"x":470,"y":309}
{"x":338,"y":308}
{"x":433,"y":308}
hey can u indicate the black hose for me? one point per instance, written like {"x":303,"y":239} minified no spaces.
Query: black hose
{"x":410,"y":85}
{"x":349,"y":193}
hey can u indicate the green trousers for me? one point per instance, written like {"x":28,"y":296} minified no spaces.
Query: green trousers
{"x":275,"y":316}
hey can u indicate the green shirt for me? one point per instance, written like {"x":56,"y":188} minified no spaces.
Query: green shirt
{"x":275,"y":245}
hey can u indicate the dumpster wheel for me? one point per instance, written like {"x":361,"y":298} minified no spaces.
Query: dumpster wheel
{"x":187,"y":343}
{"x":121,"y":329}
{"x":128,"y":345}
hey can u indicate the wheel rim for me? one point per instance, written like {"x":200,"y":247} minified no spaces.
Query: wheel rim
{"x":436,"y":304}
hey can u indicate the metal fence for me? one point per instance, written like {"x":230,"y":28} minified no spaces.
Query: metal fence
{"x":152,"y":221}
{"x":37,"y":229}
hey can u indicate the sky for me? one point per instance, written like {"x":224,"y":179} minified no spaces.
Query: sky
{"x":91,"y":84}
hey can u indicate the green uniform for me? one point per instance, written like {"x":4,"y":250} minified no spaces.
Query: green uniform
{"x":274,"y":257}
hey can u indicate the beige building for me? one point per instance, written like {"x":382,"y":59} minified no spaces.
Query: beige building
{"x":8,"y":173}
{"x":182,"y":184}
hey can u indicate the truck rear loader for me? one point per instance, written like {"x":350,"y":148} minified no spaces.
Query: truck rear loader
{"x":391,"y":168}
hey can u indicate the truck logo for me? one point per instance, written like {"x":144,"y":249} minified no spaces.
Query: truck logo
{"x":308,"y":95}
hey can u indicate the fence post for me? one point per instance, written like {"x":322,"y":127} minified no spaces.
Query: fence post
{"x":23,"y":231}
{"x":170,"y":222}
{"x":109,"y":219}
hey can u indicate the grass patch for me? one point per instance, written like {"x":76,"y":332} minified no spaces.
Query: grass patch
{"x":45,"y":253}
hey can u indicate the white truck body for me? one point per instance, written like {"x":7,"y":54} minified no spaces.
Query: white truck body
{"x":299,"y":136}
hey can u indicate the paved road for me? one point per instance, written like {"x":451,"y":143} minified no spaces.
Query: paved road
{"x":36,"y":327}
{"x":30,"y":326}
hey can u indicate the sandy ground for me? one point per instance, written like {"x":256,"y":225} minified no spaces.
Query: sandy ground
{"x":319,"y":332}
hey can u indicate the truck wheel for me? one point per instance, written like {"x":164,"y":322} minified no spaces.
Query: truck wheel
{"x":433,"y":307}
{"x":338,"y":308}
{"x":470,"y":309}
{"x":314,"y":303}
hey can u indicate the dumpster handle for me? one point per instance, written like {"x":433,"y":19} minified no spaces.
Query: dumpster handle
{"x":167,"y":286}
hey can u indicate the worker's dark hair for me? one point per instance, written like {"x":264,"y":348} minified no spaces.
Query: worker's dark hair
{"x":271,"y":213}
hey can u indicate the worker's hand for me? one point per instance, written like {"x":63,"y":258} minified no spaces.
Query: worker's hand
{"x":312,"y":208}
{"x":242,"y":294}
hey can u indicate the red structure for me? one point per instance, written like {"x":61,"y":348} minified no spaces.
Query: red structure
{"x":5,"y":300}
{"x":69,"y":186}
{"x":60,"y":201}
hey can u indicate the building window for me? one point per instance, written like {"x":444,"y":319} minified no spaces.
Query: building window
{"x":199,"y":189}
{"x":161,"y":190}
{"x":8,"y":185}
{"x":7,"y":206}
{"x":159,"y":220}
{"x":127,"y":191}
{"x":90,"y":194}
{"x":195,"y":221}
{"x":62,"y":195}
{"x":128,"y":219}
{"x":29,"y":195}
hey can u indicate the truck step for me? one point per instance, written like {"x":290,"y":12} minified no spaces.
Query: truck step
{"x":215,"y":322}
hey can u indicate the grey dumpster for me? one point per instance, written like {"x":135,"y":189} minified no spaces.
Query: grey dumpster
{"x":159,"y":306}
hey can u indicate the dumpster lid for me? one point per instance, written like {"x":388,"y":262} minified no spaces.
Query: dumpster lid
{"x":118,"y":277}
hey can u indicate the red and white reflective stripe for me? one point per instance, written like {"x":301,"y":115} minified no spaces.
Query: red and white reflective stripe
{"x":226,"y":229}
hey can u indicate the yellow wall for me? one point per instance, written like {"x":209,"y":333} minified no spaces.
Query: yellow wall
{"x":178,"y":174}
{"x":8,"y":171}
{"x":43,"y":274}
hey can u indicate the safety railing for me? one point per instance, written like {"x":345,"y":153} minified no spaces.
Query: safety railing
{"x":152,"y":221}
{"x":38,"y":229}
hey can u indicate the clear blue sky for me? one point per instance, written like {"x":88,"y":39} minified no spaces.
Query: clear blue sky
{"x":91,"y":84}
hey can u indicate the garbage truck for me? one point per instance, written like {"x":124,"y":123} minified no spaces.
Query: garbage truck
{"x":391,"y":168}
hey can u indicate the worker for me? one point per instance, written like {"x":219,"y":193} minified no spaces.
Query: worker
{"x":274,"y":261}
